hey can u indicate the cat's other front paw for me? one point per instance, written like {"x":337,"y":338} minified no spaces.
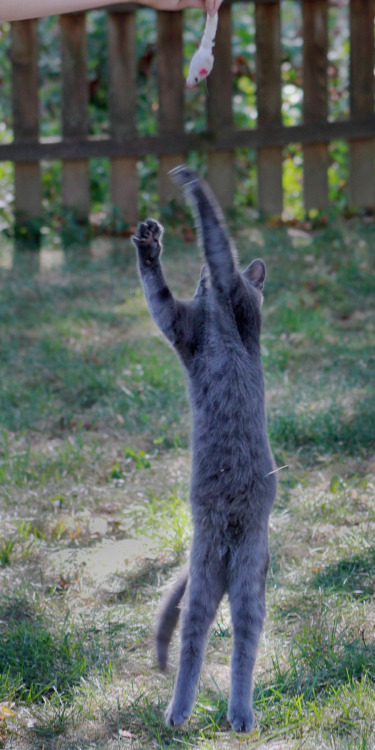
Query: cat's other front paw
{"x":241,"y":720}
{"x":175,"y":715}
{"x":148,"y":239}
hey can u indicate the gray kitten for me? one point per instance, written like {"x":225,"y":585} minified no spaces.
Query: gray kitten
{"x":233,"y":485}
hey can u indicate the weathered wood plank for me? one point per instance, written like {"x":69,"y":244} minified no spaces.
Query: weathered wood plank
{"x":361,"y":184}
{"x":315,"y":176}
{"x":171,"y":96}
{"x":268,"y":62}
{"x":122,"y":112}
{"x":220,"y":165}
{"x":315,"y":100}
{"x":75,"y":180}
{"x":24,"y":56}
{"x":49,"y":149}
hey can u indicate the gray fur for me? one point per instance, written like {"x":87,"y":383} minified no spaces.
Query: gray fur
{"x":217,"y":336}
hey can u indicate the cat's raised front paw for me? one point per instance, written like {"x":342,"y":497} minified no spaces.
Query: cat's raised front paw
{"x":148,"y":239}
{"x":241,"y":721}
{"x":176,"y":715}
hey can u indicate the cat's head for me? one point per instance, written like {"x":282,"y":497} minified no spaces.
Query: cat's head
{"x":255,"y":275}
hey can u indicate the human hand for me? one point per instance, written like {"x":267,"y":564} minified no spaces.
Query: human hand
{"x":173,"y":4}
{"x":209,"y":6}
{"x":11,"y":10}
{"x":212,"y":6}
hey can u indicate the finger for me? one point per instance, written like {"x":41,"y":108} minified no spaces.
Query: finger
{"x":192,"y":4}
{"x":212,"y":6}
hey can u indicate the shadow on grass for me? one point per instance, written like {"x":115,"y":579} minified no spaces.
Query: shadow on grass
{"x":353,"y":576}
{"x":144,"y":719}
{"x":310,"y":432}
{"x":87,"y":386}
{"x":38,"y":660}
{"x":142,"y":583}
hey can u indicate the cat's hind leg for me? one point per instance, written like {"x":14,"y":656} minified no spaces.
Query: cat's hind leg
{"x":247,"y":581}
{"x":205,"y":589}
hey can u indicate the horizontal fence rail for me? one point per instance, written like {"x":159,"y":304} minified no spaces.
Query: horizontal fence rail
{"x":124,"y":146}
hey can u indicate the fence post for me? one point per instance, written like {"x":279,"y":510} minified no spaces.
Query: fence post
{"x":24,"y":55}
{"x":361,"y":187}
{"x":315,"y":104}
{"x":122,"y":111}
{"x":171,"y":94}
{"x":75,"y":181}
{"x":219,"y":111}
{"x":268,"y":64}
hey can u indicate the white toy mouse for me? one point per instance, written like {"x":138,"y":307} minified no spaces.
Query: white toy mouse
{"x":202,"y":61}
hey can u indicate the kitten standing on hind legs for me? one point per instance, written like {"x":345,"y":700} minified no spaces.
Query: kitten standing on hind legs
{"x":233,"y":485}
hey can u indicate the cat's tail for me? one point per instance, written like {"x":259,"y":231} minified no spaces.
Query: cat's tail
{"x":168,"y":617}
{"x":218,"y":248}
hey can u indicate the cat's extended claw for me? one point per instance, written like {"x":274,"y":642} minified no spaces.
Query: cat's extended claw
{"x":148,"y":238}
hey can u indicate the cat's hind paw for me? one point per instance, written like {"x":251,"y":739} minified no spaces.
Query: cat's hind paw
{"x":148,"y":239}
{"x":175,"y":715}
{"x":241,"y":721}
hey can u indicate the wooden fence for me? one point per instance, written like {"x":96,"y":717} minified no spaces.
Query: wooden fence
{"x":124,"y":146}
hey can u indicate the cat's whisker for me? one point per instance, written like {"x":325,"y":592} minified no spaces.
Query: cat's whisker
{"x":286,"y":466}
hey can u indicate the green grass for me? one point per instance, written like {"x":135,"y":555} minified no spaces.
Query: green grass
{"x":34,"y":658}
{"x":94,"y":478}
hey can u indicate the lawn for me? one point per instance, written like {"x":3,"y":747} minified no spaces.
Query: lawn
{"x":94,"y":484}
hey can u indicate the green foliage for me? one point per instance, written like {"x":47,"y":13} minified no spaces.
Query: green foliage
{"x":134,"y":459}
{"x":19,"y":545}
{"x":6,"y":549}
{"x":168,"y":522}
{"x":139,"y":458}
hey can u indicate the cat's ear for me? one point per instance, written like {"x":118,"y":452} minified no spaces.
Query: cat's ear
{"x":204,"y":273}
{"x":202,"y":286}
{"x":256,"y":273}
